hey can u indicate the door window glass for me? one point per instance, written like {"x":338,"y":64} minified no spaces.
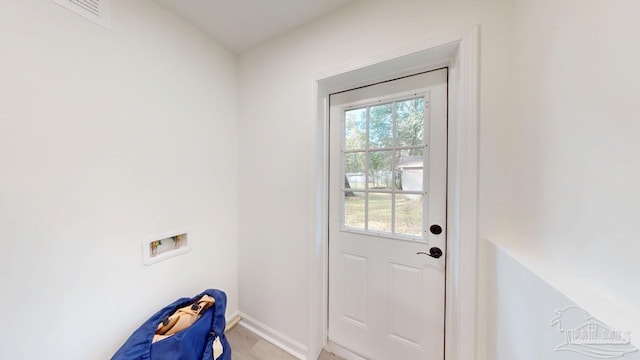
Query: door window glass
{"x":384,"y":161}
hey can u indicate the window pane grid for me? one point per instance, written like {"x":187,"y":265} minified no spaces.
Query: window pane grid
{"x":384,"y":187}
{"x":385,"y":149}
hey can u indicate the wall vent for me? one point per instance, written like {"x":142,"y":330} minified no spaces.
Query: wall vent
{"x":97,"y":11}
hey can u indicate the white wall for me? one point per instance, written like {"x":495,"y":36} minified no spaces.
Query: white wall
{"x":577,"y":169}
{"x":279,"y":133}
{"x":522,"y":306}
{"x":108,"y":137}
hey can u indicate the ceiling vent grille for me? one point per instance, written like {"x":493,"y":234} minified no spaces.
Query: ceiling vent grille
{"x":95,"y":10}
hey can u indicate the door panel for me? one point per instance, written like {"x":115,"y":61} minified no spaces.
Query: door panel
{"x":355,"y":289}
{"x":387,"y":187}
{"x":405,"y":302}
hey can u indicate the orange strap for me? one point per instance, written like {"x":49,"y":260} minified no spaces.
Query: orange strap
{"x":183,"y":318}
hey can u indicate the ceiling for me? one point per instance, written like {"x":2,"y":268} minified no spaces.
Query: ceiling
{"x":241,"y":25}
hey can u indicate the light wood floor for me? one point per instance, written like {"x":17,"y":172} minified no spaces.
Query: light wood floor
{"x":247,"y":346}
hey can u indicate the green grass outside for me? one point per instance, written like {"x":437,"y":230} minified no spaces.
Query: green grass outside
{"x":408,"y":213}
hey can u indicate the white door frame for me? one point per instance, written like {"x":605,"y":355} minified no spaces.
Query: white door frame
{"x":459,"y":51}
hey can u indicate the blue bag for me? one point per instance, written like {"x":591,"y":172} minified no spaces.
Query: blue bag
{"x":192,"y":343}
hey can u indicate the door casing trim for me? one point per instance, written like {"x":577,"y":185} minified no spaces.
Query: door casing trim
{"x":460,"y":52}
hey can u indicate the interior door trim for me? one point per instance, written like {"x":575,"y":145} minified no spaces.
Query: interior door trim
{"x":460,"y":52}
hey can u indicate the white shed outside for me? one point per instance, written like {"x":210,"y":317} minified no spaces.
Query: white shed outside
{"x":411,"y":173}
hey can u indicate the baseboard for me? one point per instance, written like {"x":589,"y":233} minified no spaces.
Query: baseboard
{"x":342,"y":352}
{"x":230,"y":318}
{"x":293,"y":347}
{"x":231,"y":321}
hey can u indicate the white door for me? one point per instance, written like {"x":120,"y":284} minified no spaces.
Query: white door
{"x":387,"y":186}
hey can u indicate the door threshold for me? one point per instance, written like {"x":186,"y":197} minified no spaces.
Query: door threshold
{"x":342,"y":352}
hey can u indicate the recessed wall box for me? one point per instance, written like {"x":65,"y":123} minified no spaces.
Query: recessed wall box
{"x":164,"y":247}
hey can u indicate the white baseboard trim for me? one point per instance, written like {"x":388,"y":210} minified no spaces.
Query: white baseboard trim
{"x":229,"y":321}
{"x":230,"y":318}
{"x":293,"y":347}
{"x":342,"y":352}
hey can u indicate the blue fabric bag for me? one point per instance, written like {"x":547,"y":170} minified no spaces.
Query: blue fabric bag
{"x":192,"y":343}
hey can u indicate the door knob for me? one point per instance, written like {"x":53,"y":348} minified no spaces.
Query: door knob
{"x":436,"y":229}
{"x":434,"y":252}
